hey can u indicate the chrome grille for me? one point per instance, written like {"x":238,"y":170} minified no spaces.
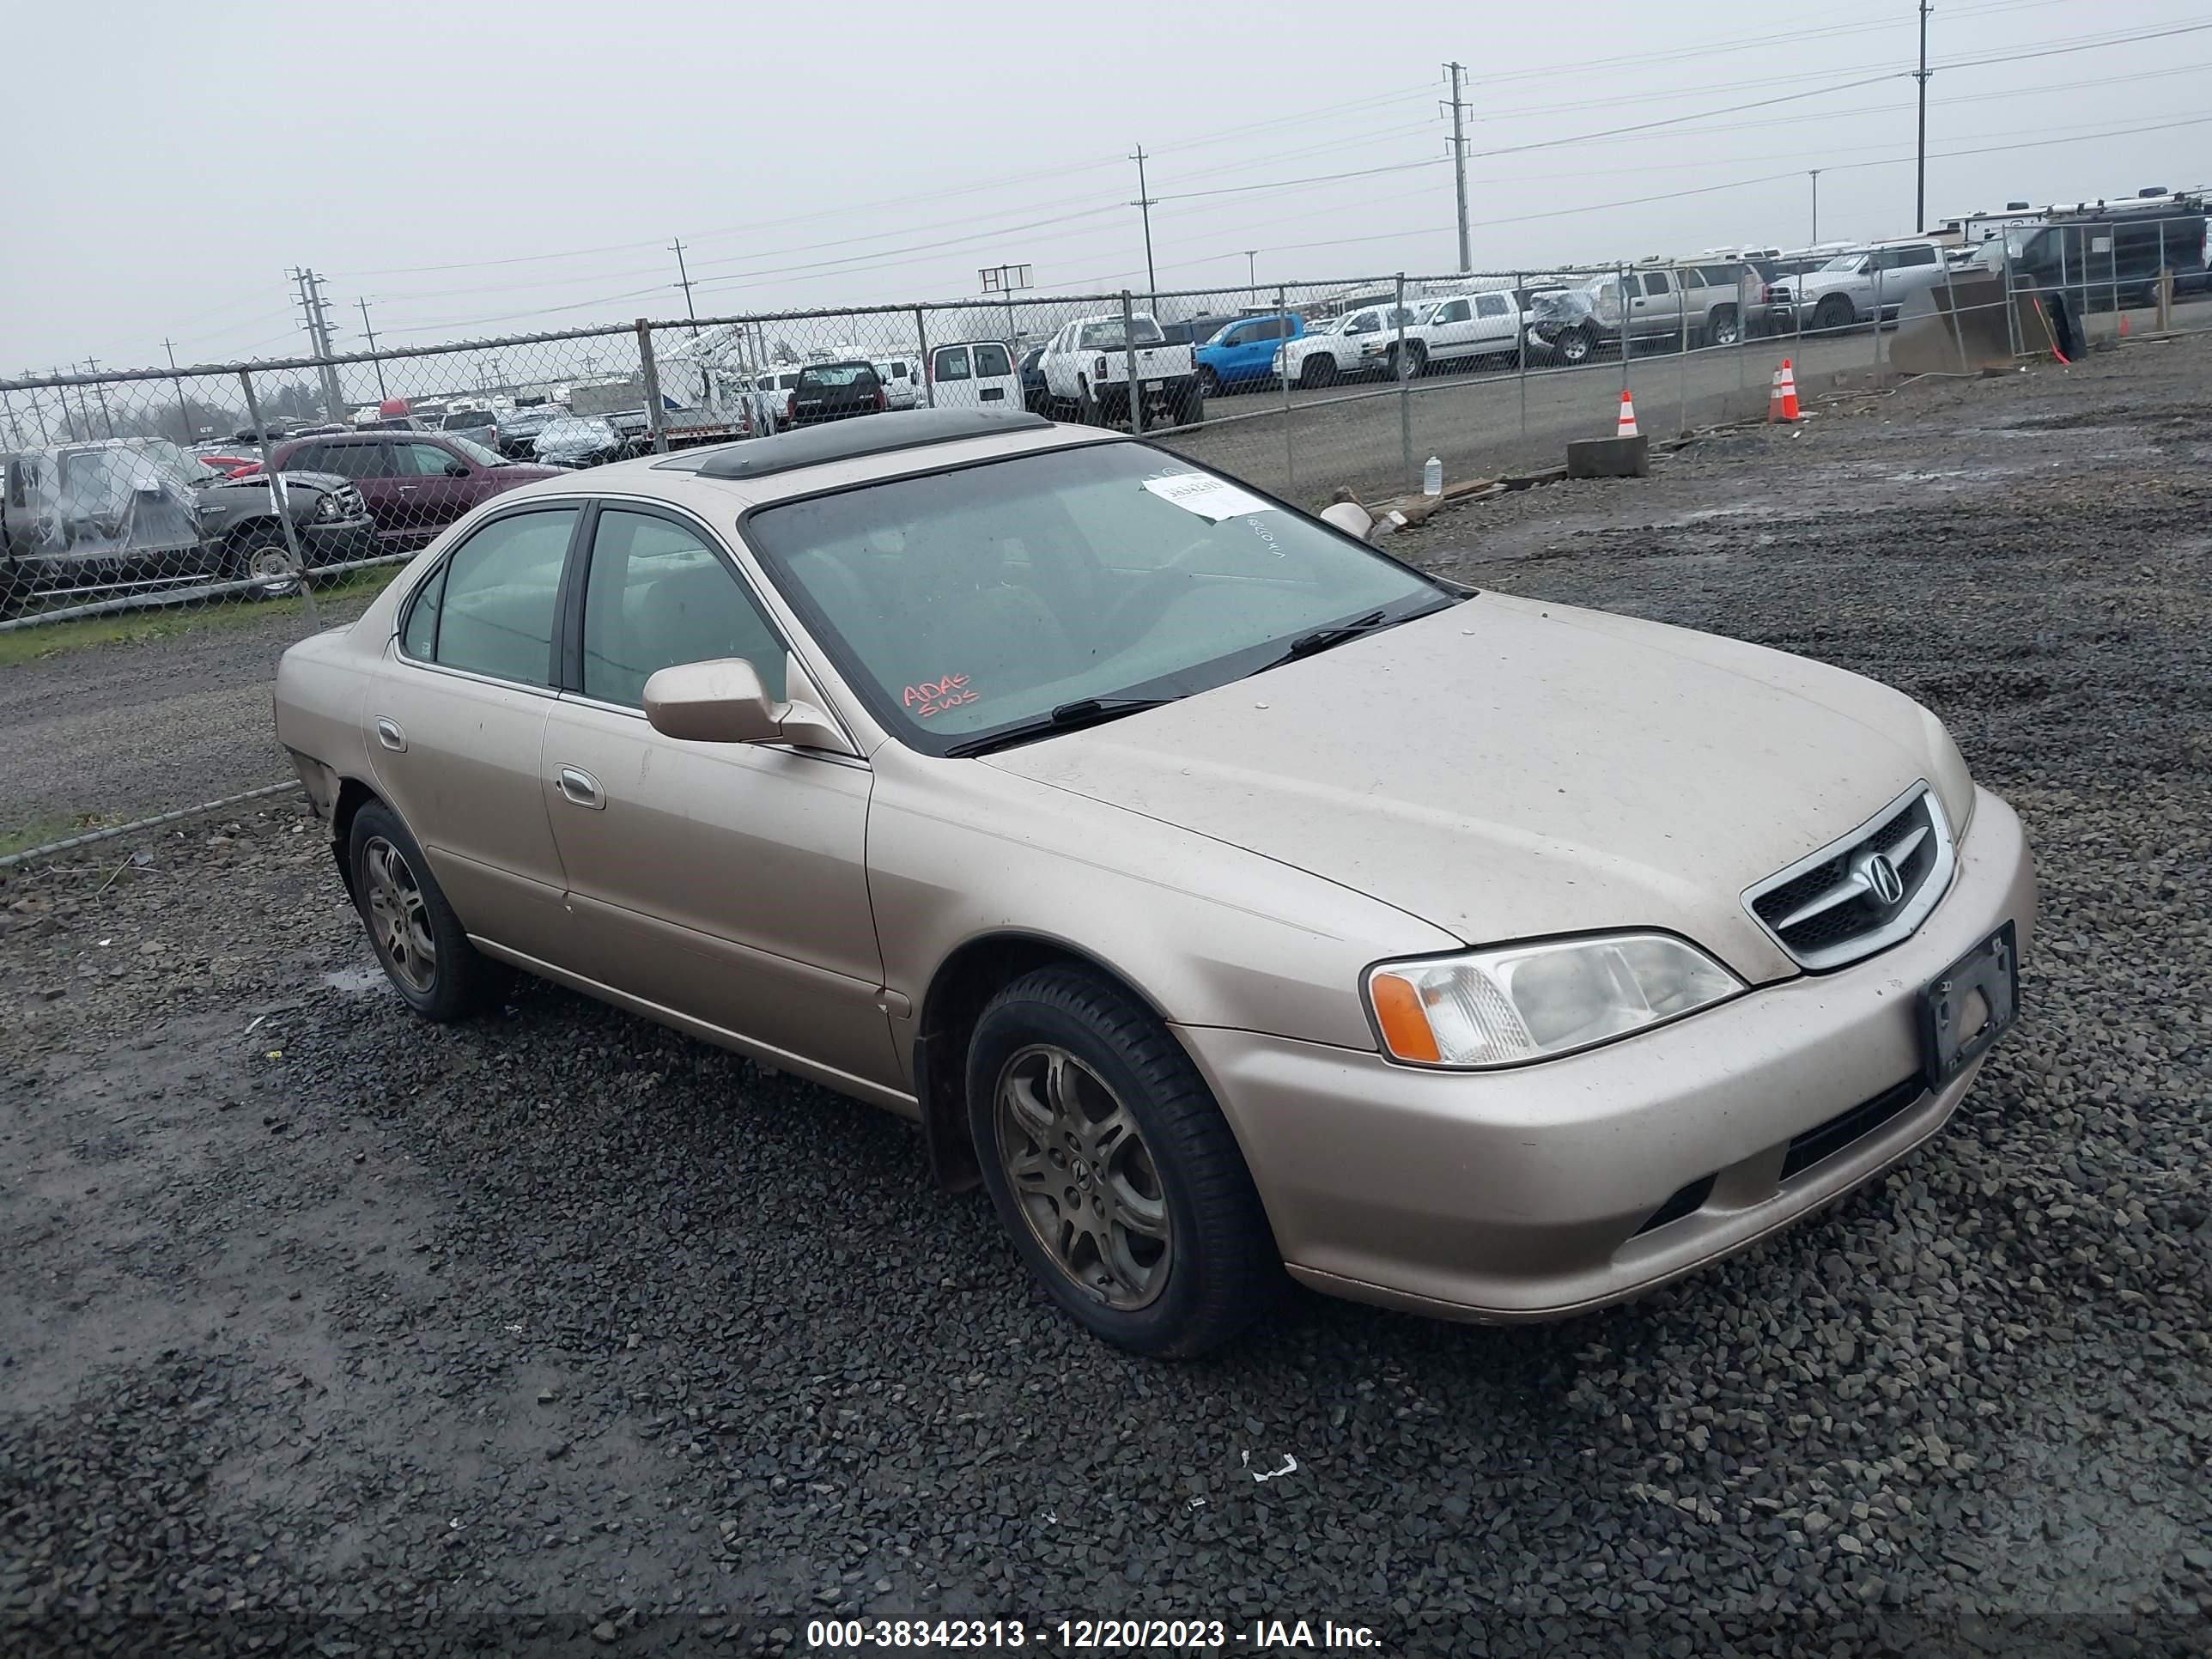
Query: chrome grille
{"x":350,"y":505}
{"x":1866,"y":891}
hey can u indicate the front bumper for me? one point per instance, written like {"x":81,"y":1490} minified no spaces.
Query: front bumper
{"x":1519,"y":1194}
{"x":340,"y":543}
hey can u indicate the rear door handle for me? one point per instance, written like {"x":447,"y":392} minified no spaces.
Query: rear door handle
{"x":389,"y":734}
{"x":581,"y":787}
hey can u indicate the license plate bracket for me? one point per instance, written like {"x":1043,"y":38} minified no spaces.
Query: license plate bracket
{"x":1982,"y":986}
{"x":1152,"y":386}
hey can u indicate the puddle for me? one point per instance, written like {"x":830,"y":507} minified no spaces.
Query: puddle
{"x":355,"y":981}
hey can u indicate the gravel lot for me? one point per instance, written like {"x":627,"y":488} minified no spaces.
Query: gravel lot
{"x":325,"y":1331}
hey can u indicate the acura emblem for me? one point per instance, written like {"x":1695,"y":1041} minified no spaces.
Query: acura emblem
{"x":1881,"y":879}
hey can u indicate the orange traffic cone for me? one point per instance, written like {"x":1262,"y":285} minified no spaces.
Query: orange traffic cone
{"x":1782,"y":403}
{"x":1626,"y":425}
{"x":2123,"y":325}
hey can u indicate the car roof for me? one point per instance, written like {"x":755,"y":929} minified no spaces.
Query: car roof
{"x":835,"y":456}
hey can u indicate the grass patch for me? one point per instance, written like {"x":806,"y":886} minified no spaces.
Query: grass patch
{"x":42,"y":832}
{"x":21,"y":645}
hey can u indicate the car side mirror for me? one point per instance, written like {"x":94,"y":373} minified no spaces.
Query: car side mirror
{"x":723,"y":701}
{"x":457,"y":469}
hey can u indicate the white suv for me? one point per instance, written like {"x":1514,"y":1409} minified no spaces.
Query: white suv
{"x":1329,"y":351}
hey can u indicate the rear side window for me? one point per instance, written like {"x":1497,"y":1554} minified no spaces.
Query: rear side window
{"x":1492,"y":305}
{"x":501,"y":589}
{"x":1655,"y":282}
{"x":1917,"y":256}
{"x":992,"y":359}
{"x":952,"y":363}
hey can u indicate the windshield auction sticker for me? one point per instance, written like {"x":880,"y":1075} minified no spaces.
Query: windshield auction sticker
{"x":1212,"y":499}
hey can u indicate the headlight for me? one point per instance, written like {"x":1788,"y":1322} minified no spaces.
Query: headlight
{"x":327,"y":508}
{"x":1530,"y":1001}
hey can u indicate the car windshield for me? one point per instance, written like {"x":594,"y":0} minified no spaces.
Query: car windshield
{"x":100,"y":480}
{"x":966,"y":603}
{"x":570,"y":429}
{"x":1845,"y":262}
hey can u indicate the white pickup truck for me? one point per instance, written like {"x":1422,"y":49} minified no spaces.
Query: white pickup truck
{"x":1086,"y":374}
{"x":1335,"y":350}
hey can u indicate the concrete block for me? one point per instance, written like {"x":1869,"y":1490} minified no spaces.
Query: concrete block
{"x":1610,"y":457}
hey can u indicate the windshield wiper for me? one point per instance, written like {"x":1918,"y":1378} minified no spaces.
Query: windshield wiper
{"x":1336,"y":634}
{"x":1068,"y":717}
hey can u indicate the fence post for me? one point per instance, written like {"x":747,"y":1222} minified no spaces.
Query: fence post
{"x":1405,"y":387}
{"x":1880,"y":275}
{"x":1682,"y":307}
{"x":1521,"y":356}
{"x":2162,"y":286}
{"x":1951,"y":304}
{"x":2112,"y":265}
{"x":2011,"y":305}
{"x":1283,"y":350}
{"x":928,"y":379}
{"x":648,"y":377}
{"x":1129,"y":358}
{"x":1626,"y":332}
{"x":276,"y":500}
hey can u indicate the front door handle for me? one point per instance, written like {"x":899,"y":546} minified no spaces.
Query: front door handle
{"x":389,"y":734}
{"x":581,"y":787}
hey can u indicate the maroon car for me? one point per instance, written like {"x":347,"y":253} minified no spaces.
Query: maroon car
{"x":416,"y":484}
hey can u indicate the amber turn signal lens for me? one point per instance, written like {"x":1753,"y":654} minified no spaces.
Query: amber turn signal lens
{"x":1405,"y":1025}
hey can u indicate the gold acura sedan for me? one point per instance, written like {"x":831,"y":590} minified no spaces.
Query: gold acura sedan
{"x":1222,"y":894}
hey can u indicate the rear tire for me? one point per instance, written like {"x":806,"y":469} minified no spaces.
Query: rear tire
{"x":1113,"y":1170}
{"x":1086,"y":406}
{"x":420,"y":943}
{"x":1576,"y":346}
{"x":1722,"y":328}
{"x":1190,"y":406}
{"x":1209,"y":383}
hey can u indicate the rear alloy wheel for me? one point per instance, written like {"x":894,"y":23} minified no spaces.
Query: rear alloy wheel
{"x":424,"y":950}
{"x":1208,"y":381}
{"x":1113,"y":1169}
{"x":1721,"y":329}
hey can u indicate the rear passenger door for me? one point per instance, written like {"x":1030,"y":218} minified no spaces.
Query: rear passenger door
{"x":454,"y":724}
{"x":952,"y":378}
{"x":724,"y":882}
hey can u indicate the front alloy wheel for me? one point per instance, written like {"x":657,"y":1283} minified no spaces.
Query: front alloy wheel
{"x":1084,"y":1180}
{"x":1115,"y":1173}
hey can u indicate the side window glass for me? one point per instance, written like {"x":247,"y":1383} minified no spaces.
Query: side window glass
{"x":1364,"y":322}
{"x":657,"y":596}
{"x":495,"y":616}
{"x":428,"y":461}
{"x":952,"y":363}
{"x":419,"y":637}
{"x":992,"y":360}
{"x":360,"y":461}
{"x":1492,"y":304}
{"x":315,"y":458}
{"x":1655,"y":282}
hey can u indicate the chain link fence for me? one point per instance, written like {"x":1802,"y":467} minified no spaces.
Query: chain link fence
{"x":310,"y":481}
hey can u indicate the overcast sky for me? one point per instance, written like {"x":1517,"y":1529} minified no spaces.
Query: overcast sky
{"x":474,"y":170}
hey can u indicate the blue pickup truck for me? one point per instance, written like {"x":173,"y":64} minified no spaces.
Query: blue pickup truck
{"x":1243,"y":353}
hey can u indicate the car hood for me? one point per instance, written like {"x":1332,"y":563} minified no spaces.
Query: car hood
{"x":1506,"y":769}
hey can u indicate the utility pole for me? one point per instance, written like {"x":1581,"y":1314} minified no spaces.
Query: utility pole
{"x":107,"y":415}
{"x":683,"y":282}
{"x":184,"y":415}
{"x":1459,"y":158}
{"x":382,"y":395}
{"x":1920,"y":171}
{"x":1146,"y":202}
{"x":1816,"y":242}
{"x":1252,"y":273}
{"x":319,"y":333}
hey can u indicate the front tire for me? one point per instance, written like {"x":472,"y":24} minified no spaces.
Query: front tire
{"x":1834,"y":313}
{"x":423,"y":947}
{"x":1576,"y":346}
{"x":1316,"y":372}
{"x":1086,"y":406}
{"x":1113,"y":1169}
{"x":262,"y":555}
